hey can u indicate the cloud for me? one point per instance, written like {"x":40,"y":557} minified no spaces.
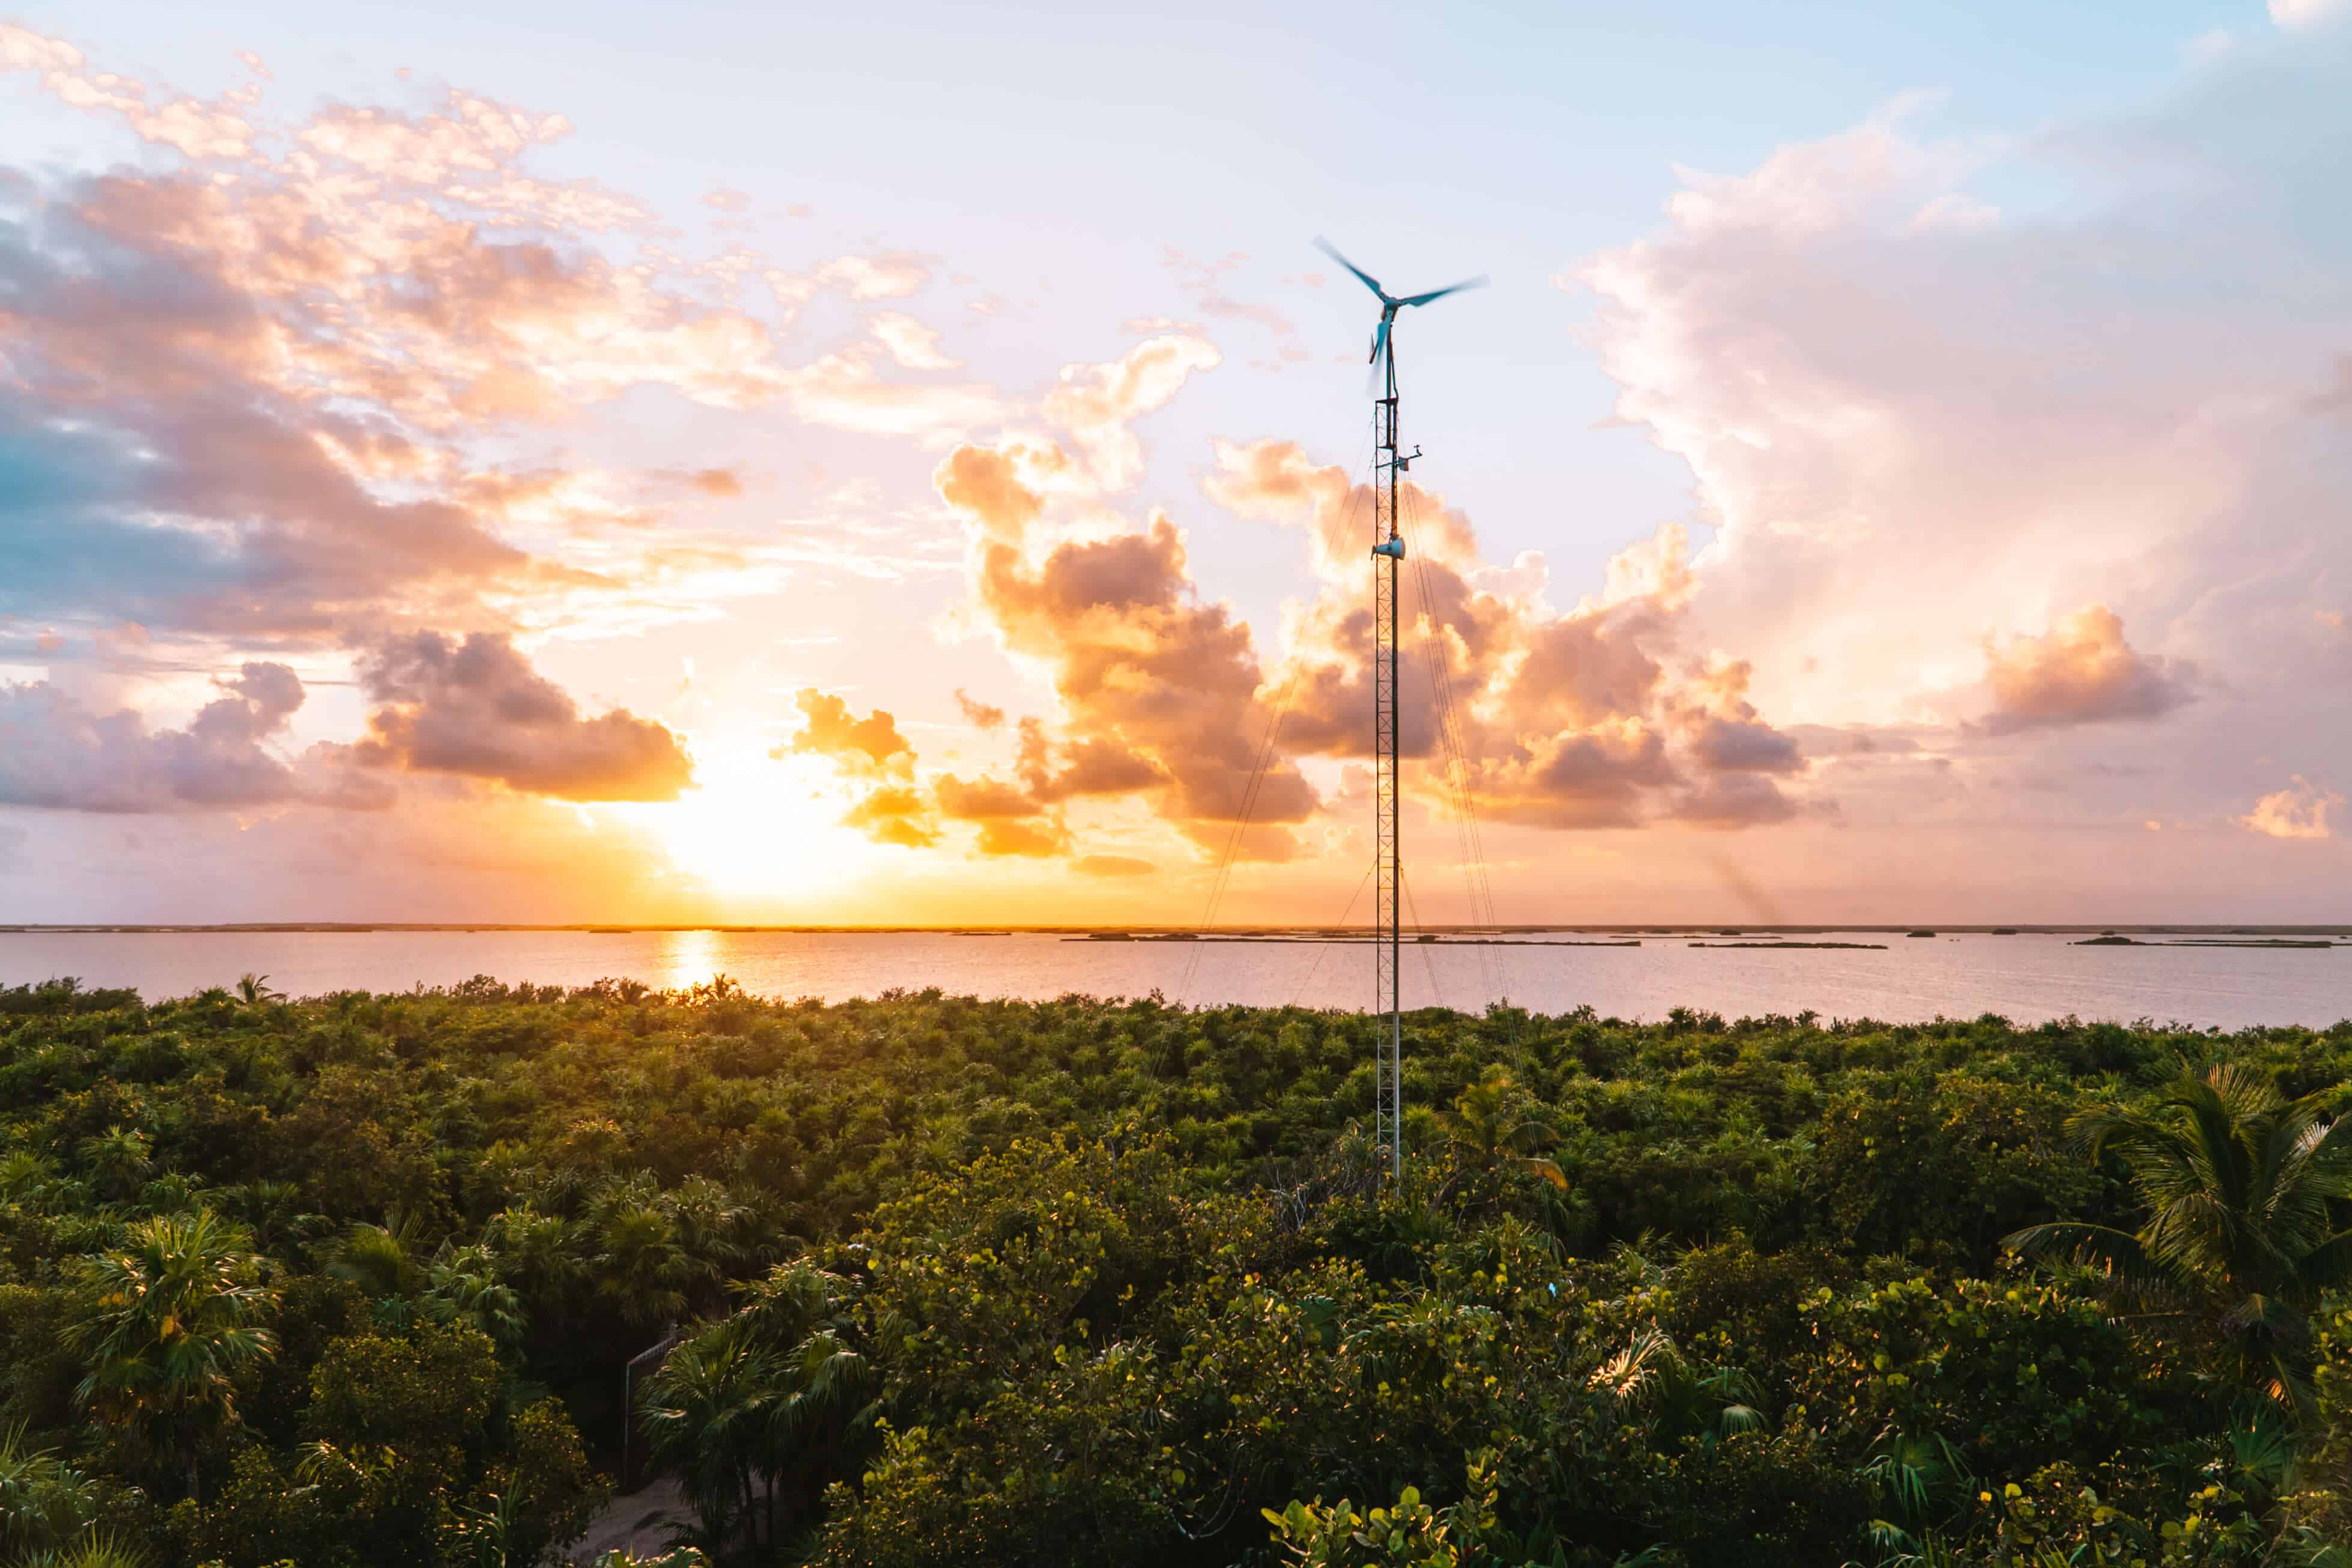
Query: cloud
{"x":911,"y":343}
{"x":1202,"y":282}
{"x":1054,"y":772}
{"x":1113,"y":866}
{"x":982,"y":799}
{"x":1885,"y":465}
{"x":1147,"y":675}
{"x":894,"y":813}
{"x":1011,"y":821}
{"x":846,"y":391}
{"x":978,"y":714}
{"x":2080,"y":672}
{"x":2299,"y":811}
{"x":1735,"y":800}
{"x":891,"y":810}
{"x":57,"y":755}
{"x":1037,"y":838}
{"x":892,"y":274}
{"x":475,"y":707}
{"x":2294,"y":14}
{"x":199,"y":129}
{"x":268,"y":394}
{"x":867,"y":747}
{"x":1096,"y":402}
{"x":726,"y":199}
{"x":1583,"y":717}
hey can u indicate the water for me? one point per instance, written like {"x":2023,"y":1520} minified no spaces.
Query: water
{"x":2026,"y":978}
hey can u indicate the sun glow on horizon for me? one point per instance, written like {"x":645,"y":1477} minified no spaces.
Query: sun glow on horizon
{"x":757,"y":825}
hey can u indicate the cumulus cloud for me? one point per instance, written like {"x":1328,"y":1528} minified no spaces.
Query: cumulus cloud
{"x":56,"y":753}
{"x":1012,"y":821}
{"x":1590,"y":717}
{"x":894,"y":813}
{"x":2299,"y":811}
{"x":1152,"y":680}
{"x":1911,"y":418}
{"x":476,"y":708}
{"x":867,"y":747}
{"x":890,"y":809}
{"x":982,"y":799}
{"x":2081,"y":672}
{"x":1097,"y":403}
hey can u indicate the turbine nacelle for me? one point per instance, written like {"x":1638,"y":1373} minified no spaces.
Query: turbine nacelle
{"x":1390,"y":304}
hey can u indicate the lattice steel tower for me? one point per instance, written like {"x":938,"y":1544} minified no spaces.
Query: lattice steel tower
{"x":1389,"y":466}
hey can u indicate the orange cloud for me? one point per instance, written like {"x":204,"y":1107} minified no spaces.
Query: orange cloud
{"x":1574,"y":718}
{"x":2080,"y":672}
{"x":870,"y":746}
{"x":2299,"y":811}
{"x":191,"y":126}
{"x":893,"y":813}
{"x":1149,"y":676}
{"x":979,"y":715}
{"x":1113,"y":866}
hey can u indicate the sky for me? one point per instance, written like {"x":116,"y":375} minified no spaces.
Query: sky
{"x":908,"y":465}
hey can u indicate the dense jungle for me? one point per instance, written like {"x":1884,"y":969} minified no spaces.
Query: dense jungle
{"x":421,"y":1278}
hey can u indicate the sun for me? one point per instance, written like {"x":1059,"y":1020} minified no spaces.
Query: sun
{"x":756,"y":824}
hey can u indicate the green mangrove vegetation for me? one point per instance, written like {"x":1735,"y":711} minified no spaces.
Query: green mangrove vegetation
{"x":414,"y":1279}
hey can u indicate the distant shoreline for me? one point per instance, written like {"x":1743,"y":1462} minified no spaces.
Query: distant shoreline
{"x":1213,"y":933}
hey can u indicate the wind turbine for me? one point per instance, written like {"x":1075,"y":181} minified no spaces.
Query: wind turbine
{"x":1388,"y":549}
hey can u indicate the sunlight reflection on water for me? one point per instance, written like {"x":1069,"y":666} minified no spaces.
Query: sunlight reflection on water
{"x":685,"y":958}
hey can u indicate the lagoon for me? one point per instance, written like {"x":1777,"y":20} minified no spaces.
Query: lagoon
{"x":1885,"y":973}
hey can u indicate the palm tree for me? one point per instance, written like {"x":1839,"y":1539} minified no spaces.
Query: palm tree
{"x":642,"y":1261}
{"x":1652,"y":1381}
{"x":253,"y":991}
{"x":119,"y":1160}
{"x":381,"y":1260}
{"x":1490,"y":1132}
{"x":168,"y":1320}
{"x":824,"y":1389}
{"x":706,"y":1412}
{"x":2244,"y":1192}
{"x":827,"y":1392}
{"x":463,"y":1284}
{"x":44,"y":1503}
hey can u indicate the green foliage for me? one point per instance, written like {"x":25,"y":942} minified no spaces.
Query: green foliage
{"x":2009,"y":1376}
{"x":966,"y":1281}
{"x":2244,"y":1192}
{"x":167,"y":1323}
{"x":1407,"y":1534}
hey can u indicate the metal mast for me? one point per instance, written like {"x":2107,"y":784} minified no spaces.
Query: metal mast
{"x":1389,"y":465}
{"x":1388,"y":877}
